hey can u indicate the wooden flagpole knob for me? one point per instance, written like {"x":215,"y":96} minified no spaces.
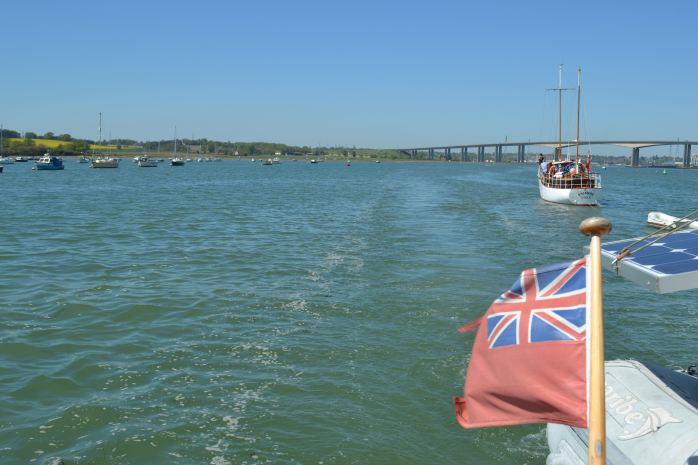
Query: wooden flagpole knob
{"x":595,"y":226}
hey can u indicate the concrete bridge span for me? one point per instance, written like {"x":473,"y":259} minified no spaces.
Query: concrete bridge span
{"x":479,"y":149}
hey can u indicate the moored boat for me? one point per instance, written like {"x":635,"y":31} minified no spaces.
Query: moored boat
{"x":662,"y":220}
{"x":21,"y":160}
{"x":48,"y":163}
{"x":105,"y":162}
{"x":6,"y":160}
{"x":147,"y":162}
{"x":568,"y":182}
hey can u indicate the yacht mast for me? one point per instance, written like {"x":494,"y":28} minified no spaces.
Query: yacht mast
{"x":579,"y":100}
{"x":559,"y":92}
{"x":175,"y":144}
{"x":559,"y":89}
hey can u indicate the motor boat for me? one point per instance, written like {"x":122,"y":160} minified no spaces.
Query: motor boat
{"x":313,"y":161}
{"x":276,"y":160}
{"x":147,"y":162}
{"x":83,"y":159}
{"x":6,"y":160}
{"x":177,"y":162}
{"x":48,"y":163}
{"x":21,"y":160}
{"x":268,"y":161}
{"x":105,"y":162}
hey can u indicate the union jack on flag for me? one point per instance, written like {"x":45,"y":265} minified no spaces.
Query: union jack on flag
{"x":546,"y":304}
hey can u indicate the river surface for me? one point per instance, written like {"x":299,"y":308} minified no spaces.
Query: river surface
{"x":233,"y":313}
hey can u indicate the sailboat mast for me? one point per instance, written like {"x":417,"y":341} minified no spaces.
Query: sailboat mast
{"x":559,"y":119}
{"x":175,"y":144}
{"x":559,"y":89}
{"x":100,"y":127}
{"x":579,"y":101}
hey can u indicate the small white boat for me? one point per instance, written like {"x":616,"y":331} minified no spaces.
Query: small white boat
{"x":147,"y":162}
{"x":276,"y":160}
{"x":268,"y":161}
{"x":136,"y":159}
{"x":661,"y":220}
{"x":313,"y":161}
{"x":6,"y":161}
{"x":21,"y":160}
{"x":83,"y":159}
{"x":105,"y":162}
{"x":177,"y":162}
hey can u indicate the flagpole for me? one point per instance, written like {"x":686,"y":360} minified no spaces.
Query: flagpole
{"x":596,"y":227}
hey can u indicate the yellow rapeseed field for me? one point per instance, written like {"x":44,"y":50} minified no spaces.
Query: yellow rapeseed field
{"x":52,"y":144}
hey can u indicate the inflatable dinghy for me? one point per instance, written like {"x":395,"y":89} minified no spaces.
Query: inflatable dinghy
{"x":651,"y":419}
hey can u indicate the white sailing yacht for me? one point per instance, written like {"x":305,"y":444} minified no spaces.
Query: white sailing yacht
{"x":176,"y":161}
{"x":566,"y":181}
{"x":104,"y":162}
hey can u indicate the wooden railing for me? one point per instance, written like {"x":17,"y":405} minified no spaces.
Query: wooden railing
{"x":590,"y":181}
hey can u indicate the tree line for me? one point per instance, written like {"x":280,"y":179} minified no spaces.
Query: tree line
{"x":29,"y":144}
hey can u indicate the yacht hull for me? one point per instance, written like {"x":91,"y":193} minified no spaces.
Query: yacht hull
{"x":105,"y":164}
{"x":577,"y":196}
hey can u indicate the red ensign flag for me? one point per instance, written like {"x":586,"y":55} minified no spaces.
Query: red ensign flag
{"x":529,"y":360}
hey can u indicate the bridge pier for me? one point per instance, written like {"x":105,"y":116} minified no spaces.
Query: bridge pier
{"x":431,"y":154}
{"x":464,"y":154}
{"x":635,"y":158}
{"x":498,"y":153}
{"x":687,"y":155}
{"x":481,"y":154}
{"x":447,"y":153}
{"x":521,"y":154}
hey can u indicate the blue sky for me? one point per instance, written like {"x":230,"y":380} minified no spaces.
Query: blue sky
{"x":378,"y":73}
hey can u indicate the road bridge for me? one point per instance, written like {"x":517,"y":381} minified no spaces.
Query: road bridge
{"x":463,"y":151}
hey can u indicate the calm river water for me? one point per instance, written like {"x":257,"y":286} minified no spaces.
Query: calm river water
{"x":232,"y":313}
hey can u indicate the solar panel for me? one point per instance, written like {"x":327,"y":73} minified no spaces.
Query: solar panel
{"x":668,"y":265}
